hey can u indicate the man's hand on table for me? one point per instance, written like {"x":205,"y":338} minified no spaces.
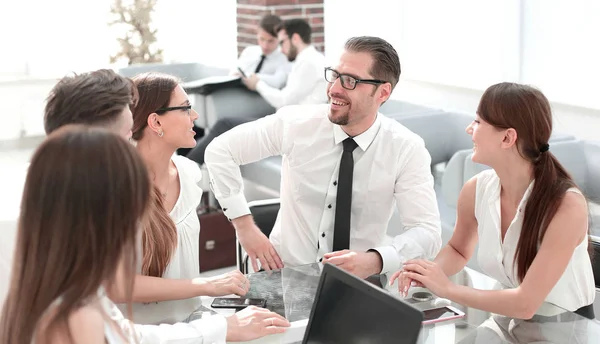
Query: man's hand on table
{"x":256,"y":244}
{"x":253,"y":322}
{"x":361,"y":264}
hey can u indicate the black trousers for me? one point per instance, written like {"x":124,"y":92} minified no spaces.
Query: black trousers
{"x":222,"y":125}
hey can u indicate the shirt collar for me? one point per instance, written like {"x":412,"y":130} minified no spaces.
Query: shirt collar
{"x":308,"y":50}
{"x":272,"y":53}
{"x":363,"y":140}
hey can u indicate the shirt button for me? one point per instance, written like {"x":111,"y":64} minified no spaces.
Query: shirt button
{"x":323,"y":235}
{"x":320,"y":260}
{"x":329,"y":206}
{"x":335,"y":183}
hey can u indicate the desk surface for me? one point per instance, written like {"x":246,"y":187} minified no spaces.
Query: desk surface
{"x":290,"y":292}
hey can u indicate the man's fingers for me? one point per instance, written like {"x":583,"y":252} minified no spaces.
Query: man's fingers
{"x":270,"y":260}
{"x":264,"y":263}
{"x":253,"y":260}
{"x":275,"y":256}
{"x":338,"y":261}
{"x":335,"y":254}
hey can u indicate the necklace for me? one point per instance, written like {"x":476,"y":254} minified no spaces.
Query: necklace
{"x":163,"y":194}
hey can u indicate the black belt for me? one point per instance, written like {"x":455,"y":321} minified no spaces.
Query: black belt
{"x":585,"y":311}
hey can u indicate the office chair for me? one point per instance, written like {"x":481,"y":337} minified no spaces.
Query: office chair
{"x":265,"y":214}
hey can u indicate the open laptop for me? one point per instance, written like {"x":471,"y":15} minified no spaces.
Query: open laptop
{"x":349,"y":310}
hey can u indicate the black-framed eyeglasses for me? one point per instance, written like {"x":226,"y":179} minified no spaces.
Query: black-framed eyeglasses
{"x":188,"y":108}
{"x":348,"y":81}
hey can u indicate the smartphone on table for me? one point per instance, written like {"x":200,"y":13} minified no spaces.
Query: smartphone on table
{"x":237,"y":302}
{"x":242,"y":72}
{"x":439,"y":314}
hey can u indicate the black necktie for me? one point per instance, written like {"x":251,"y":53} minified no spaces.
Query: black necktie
{"x":343,"y":203}
{"x":262,"y":59}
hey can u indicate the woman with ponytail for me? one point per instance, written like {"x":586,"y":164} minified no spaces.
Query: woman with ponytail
{"x":167,"y":285}
{"x":526,"y":212}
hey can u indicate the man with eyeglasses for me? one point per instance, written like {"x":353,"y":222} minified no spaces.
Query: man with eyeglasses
{"x":344,"y":167}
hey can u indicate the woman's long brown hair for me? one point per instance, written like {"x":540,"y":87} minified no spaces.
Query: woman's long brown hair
{"x":527,"y":110}
{"x":159,"y":238}
{"x":86,"y":191}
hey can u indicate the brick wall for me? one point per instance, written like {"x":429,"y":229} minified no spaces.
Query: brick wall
{"x":249,"y":13}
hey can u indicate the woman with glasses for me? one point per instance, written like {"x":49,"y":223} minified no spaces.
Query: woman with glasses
{"x":162,"y":122}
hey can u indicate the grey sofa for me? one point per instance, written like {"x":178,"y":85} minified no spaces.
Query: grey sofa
{"x":580,"y":158}
{"x":235,"y":102}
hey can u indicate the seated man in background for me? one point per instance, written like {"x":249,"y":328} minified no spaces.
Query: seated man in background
{"x":103,"y":98}
{"x":265,"y":59}
{"x":305,"y":83}
{"x":335,"y":210}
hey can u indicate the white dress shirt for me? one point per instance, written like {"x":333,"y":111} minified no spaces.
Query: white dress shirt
{"x":274,"y":70}
{"x":305,"y":84}
{"x":391,"y":165}
{"x":574,"y":289}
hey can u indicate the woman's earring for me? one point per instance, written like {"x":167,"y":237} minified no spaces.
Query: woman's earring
{"x":161,"y":133}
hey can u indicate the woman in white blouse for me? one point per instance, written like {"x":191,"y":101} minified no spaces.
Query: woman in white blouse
{"x":527,"y":213}
{"x":166,"y":290}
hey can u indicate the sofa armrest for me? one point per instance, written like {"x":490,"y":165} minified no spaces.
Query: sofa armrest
{"x":453,"y":177}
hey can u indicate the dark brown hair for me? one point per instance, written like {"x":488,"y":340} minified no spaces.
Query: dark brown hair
{"x":97,"y":97}
{"x":159,"y":238}
{"x":78,"y":222}
{"x":296,"y":25}
{"x":386,"y":63}
{"x":528,"y":112}
{"x":269,"y":23}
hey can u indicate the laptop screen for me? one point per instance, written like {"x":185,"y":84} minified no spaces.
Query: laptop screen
{"x":352,"y":311}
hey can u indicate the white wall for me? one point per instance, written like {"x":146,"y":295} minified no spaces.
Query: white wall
{"x":44,"y":40}
{"x":451,"y":51}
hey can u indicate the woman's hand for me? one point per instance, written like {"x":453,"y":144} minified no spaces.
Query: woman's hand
{"x":427,"y":273}
{"x":404,"y":283}
{"x":253,"y":322}
{"x":230,"y":283}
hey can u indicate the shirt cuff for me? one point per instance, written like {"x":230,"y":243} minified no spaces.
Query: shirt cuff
{"x":212,"y":327}
{"x":234,"y":206}
{"x":389,"y":258}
